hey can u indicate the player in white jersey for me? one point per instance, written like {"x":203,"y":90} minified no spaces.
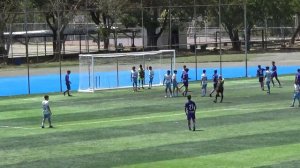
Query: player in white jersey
{"x":296,"y":94}
{"x":167,"y":82}
{"x":151,"y":76}
{"x":46,"y":111}
{"x":268,"y":77}
{"x":175,"y":83}
{"x":203,"y":83}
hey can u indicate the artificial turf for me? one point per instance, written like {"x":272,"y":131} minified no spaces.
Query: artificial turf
{"x":119,"y":128}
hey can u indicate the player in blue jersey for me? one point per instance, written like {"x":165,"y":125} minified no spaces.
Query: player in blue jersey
{"x":68,"y":83}
{"x":260,"y":75}
{"x":297,"y":77}
{"x":190,"y":111}
{"x":274,"y":74}
{"x":185,"y":80}
{"x":215,"y":82}
{"x":46,"y":112}
{"x":268,"y":77}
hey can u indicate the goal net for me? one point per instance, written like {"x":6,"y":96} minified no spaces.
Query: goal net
{"x":113,"y":70}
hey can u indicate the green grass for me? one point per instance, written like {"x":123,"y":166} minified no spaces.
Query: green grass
{"x":119,"y":128}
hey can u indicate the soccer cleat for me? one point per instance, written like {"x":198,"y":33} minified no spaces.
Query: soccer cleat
{"x":50,"y":126}
{"x":210,"y":95}
{"x":215,"y":101}
{"x":194,"y":129}
{"x":42,"y":126}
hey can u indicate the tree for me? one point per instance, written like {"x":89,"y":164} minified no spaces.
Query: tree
{"x":105,"y":13}
{"x":154,"y":15}
{"x":296,"y":9}
{"x":7,"y":15}
{"x":58,"y":15}
{"x":232,"y":15}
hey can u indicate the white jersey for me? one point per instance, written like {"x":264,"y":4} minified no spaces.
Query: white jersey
{"x":268,"y":76}
{"x":204,"y":79}
{"x":168,"y":78}
{"x":134,"y":74}
{"x":151,"y":74}
{"x":46,"y":107}
{"x":296,"y":88}
{"x":174,"y":78}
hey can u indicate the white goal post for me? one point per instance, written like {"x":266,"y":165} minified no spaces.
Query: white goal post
{"x":113,"y":70}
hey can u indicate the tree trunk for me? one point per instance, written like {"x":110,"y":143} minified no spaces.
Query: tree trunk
{"x":3,"y":51}
{"x":249,"y":38}
{"x":57,"y":45}
{"x":235,"y":40}
{"x":152,"y":38}
{"x":295,"y":35}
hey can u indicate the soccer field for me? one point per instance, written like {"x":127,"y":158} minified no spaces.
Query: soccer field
{"x":119,"y":128}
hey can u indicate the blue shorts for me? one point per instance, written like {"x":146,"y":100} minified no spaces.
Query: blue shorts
{"x":134,"y":81}
{"x":296,"y":96}
{"x":190,"y":116}
{"x":175,"y":84}
{"x":168,"y":85}
{"x":151,"y":80}
{"x":47,"y":116}
{"x":215,"y":85}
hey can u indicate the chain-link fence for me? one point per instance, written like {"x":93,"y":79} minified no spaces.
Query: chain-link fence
{"x":195,"y":29}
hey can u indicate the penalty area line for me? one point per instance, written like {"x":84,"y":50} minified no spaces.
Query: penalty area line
{"x":131,"y":119}
{"x":13,"y":127}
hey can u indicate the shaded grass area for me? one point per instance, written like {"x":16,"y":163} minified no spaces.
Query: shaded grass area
{"x":121,"y":128}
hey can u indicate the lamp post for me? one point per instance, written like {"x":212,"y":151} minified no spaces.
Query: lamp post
{"x":220,"y":37}
{"x":26,"y":46}
{"x":142,"y":8}
{"x":246,"y":36}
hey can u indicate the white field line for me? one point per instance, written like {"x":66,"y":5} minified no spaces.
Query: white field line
{"x":135,"y":118}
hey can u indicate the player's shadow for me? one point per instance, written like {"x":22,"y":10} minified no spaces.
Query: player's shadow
{"x":199,"y":130}
{"x":226,"y":102}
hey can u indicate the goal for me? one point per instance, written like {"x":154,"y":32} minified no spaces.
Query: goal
{"x":113,"y":70}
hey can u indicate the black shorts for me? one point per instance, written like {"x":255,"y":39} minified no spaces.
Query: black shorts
{"x":68,"y":86}
{"x":215,"y":85}
{"x":261,"y":79}
{"x":191,"y":115}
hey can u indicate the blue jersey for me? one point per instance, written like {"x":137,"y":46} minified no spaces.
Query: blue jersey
{"x":190,"y":107}
{"x":298,"y":78}
{"x":260,"y":72}
{"x":215,"y":78}
{"x":274,"y":68}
